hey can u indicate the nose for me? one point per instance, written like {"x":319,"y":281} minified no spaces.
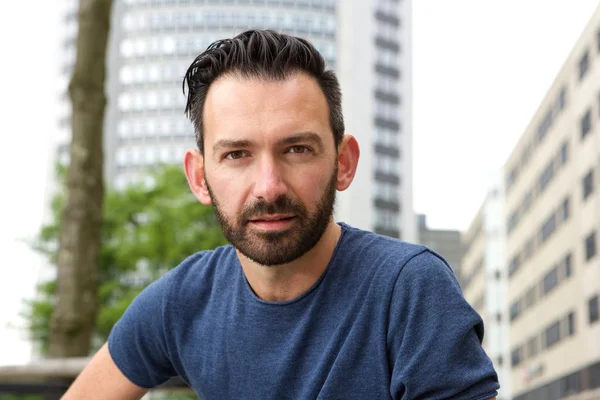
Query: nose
{"x":269,"y":183}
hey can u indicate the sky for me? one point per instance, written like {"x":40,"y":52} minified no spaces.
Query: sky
{"x":480,"y":71}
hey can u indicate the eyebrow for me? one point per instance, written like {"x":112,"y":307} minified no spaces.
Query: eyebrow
{"x":297,"y":138}
{"x":303,"y":137}
{"x":230,"y":144}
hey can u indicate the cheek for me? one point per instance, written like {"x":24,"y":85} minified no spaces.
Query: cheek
{"x":310,"y":186}
{"x":230,"y":191}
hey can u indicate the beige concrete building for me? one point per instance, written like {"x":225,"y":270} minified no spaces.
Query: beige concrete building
{"x":484,"y":280}
{"x":552,"y":206}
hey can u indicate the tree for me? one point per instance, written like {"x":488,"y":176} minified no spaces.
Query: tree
{"x":146,"y":231}
{"x":74,"y":315}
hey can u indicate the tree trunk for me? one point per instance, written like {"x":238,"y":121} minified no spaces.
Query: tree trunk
{"x":73,"y":321}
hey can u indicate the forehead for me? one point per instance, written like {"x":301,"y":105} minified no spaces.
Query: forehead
{"x":260,"y":109}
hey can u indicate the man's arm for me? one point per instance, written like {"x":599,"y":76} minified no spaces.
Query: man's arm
{"x":434,"y":337}
{"x":102,"y":380}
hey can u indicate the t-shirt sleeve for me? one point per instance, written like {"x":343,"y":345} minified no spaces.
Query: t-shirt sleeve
{"x":137,"y":342}
{"x":434,"y":337}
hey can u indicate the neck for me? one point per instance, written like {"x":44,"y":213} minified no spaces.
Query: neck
{"x":288,"y":281}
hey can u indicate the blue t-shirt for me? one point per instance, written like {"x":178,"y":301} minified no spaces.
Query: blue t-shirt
{"x":386,"y":319}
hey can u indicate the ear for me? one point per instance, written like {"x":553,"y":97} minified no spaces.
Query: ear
{"x":348,"y":155}
{"x":193,"y":165}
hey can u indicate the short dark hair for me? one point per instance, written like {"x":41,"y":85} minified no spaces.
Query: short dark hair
{"x":263,"y":54}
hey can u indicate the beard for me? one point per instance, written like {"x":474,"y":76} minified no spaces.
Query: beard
{"x":281,"y":247}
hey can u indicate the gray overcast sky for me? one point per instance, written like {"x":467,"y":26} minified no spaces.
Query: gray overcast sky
{"x":481,"y":68}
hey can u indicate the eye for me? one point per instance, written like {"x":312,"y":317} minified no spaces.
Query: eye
{"x":235,"y":155}
{"x":299,"y":149}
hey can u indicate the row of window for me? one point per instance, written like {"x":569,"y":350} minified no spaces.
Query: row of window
{"x":583,"y":65}
{"x":545,"y":232}
{"x":385,"y":83}
{"x":152,"y":73}
{"x":123,"y":180}
{"x":585,"y":124}
{"x":386,"y":137}
{"x":544,"y":178}
{"x":328,"y":5}
{"x":473,"y":235}
{"x":585,"y":128}
{"x":468,"y":278}
{"x":387,"y":219}
{"x":560,"y":329}
{"x":387,"y":111}
{"x":582,"y":380}
{"x":184,"y":46}
{"x":559,"y":273}
{"x":387,"y":58}
{"x":387,"y":164}
{"x":194,"y":18}
{"x":149,"y":155}
{"x":386,"y":191}
{"x":150,"y":100}
{"x":154,"y":127}
{"x":387,"y":24}
{"x":542,"y":130}
{"x":554,"y":333}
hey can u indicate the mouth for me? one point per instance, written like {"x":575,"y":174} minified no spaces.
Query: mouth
{"x":273,"y":222}
{"x":272,"y":218}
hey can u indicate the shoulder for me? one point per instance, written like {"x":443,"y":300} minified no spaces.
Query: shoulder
{"x":392,"y":256}
{"x":198,"y":271}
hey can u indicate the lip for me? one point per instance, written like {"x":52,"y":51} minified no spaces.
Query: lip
{"x":272,"y":217}
{"x":273,"y":222}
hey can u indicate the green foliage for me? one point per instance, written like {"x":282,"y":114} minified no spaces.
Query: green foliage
{"x":147,"y":230}
{"x":19,"y":397}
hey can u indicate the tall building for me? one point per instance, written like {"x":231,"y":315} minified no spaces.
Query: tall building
{"x":444,"y":241}
{"x":484,"y":279}
{"x":367,"y":42}
{"x":552,"y":219}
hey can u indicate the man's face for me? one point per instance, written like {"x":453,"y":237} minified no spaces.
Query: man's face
{"x":270,"y":164}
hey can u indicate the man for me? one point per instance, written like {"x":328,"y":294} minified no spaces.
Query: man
{"x":298,"y":307}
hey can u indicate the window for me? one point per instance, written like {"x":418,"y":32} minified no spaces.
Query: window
{"x":590,"y":246}
{"x":568,"y":265}
{"x":514,"y":264}
{"x":515,"y":357}
{"x":528,"y":252}
{"x":588,"y":184}
{"x":546,"y":176}
{"x":548,"y":228}
{"x":584,"y":64}
{"x":552,"y":334}
{"x":515,"y":310}
{"x":532,"y":347}
{"x":530,"y":297}
{"x":593,"y":309}
{"x":564,"y":154}
{"x":571,"y":324}
{"x":511,"y":178}
{"x":512,"y":222}
{"x":562,"y":98}
{"x":544,"y":126}
{"x":550,"y":280}
{"x":564,"y":210}
{"x":585,"y":125}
